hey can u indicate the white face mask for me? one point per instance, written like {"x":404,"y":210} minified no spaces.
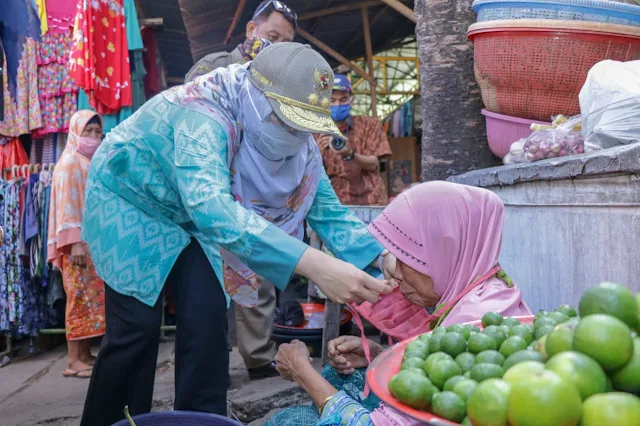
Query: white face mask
{"x":272,"y":141}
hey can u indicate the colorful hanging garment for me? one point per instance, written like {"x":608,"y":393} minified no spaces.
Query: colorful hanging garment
{"x":19,"y":35}
{"x":100,"y":57}
{"x":58,"y":92}
{"x":60,"y":15}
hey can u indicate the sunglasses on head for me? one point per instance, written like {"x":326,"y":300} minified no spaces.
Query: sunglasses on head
{"x":278,"y":6}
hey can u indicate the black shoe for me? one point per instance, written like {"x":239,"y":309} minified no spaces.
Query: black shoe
{"x":230,"y":348}
{"x":263,"y":372}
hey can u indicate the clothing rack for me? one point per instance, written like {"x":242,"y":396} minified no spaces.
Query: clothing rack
{"x":26,"y":169}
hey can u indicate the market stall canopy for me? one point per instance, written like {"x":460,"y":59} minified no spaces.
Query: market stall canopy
{"x":195,"y":28}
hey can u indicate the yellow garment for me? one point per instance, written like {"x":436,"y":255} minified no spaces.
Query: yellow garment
{"x":42,"y":14}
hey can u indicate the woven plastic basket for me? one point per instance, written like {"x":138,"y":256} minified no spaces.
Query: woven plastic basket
{"x":564,"y":10}
{"x":536,"y":68}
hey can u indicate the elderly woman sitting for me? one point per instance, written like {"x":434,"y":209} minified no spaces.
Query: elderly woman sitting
{"x":446,"y":238}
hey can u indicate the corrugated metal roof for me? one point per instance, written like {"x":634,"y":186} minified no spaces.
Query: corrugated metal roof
{"x":194,"y":28}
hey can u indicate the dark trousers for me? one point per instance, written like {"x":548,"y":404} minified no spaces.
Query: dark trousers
{"x":124,"y":372}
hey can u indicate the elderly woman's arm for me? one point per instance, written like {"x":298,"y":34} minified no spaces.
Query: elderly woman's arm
{"x":203,"y":180}
{"x":294,"y":364}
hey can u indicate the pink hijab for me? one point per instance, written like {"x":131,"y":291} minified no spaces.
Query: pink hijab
{"x":453,"y":234}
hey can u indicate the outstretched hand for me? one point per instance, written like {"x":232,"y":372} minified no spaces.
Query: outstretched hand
{"x":346,"y":353}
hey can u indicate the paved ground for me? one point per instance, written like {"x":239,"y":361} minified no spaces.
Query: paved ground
{"x":34,"y":392}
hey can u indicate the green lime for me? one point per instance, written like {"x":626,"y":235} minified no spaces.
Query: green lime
{"x":412,"y":363}
{"x":459,"y":328}
{"x":522,"y":331}
{"x":484,"y":371}
{"x":543,"y":331}
{"x":467,"y":374}
{"x":439,"y":330}
{"x":442,"y":371}
{"x":490,"y":357}
{"x":412,"y":389}
{"x":433,"y":359}
{"x":512,"y":345}
{"x":628,"y":377}
{"x":522,"y":372}
{"x":450,"y":384}
{"x":449,"y":406}
{"x":558,"y":317}
{"x":466,"y":422}
{"x":530,"y":328}
{"x":510,"y":322}
{"x":611,"y":299}
{"x":415,"y":370}
{"x":464,"y":388}
{"x":466,"y":360}
{"x":567,"y":310}
{"x":541,"y":346}
{"x":610,"y":387}
{"x":435,"y":343}
{"x":544,"y":399}
{"x":585,"y":373}
{"x":522,"y":356}
{"x":453,"y":343}
{"x":541,"y":313}
{"x":559,"y":340}
{"x":491,"y":318}
{"x":606,"y":339}
{"x":414,"y":354}
{"x":481,"y":342}
{"x":425,"y":337}
{"x":496,"y":334}
{"x":418,"y":346}
{"x":472,"y":328}
{"x":505,"y":329}
{"x":615,"y":408}
{"x":488,"y":403}
{"x":544,"y":321}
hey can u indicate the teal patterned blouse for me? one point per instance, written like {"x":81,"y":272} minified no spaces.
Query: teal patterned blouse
{"x":161,"y":178}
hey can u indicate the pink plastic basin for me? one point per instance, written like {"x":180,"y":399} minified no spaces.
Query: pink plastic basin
{"x":503,"y":130}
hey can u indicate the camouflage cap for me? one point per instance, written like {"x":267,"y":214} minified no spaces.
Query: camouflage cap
{"x":298,"y":83}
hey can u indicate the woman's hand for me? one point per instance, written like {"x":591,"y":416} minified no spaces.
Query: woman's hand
{"x":346,"y":353}
{"x":291,"y":359}
{"x":78,"y":255}
{"x":341,"y":281}
{"x":388,"y":266}
{"x":324,"y":141}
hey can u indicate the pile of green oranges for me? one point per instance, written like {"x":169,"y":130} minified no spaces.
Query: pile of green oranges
{"x":564,"y":369}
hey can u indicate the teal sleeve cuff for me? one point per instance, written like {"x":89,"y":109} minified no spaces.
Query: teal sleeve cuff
{"x":275,"y":255}
{"x":362,"y":253}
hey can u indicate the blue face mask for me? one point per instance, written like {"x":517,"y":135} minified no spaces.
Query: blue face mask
{"x":340,"y":112}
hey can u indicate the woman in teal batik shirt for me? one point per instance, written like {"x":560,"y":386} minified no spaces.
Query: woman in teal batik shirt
{"x":204,"y":189}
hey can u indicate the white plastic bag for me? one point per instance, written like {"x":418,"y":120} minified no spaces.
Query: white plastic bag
{"x":610,"y":105}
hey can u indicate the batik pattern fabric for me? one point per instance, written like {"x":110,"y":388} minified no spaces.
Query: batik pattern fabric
{"x":100,"y":57}
{"x":162,"y":178}
{"x":57,"y":90}
{"x":348,"y":407}
{"x":49,"y":149}
{"x":353,"y":185}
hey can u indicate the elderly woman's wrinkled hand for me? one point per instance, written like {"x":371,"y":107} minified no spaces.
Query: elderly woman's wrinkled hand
{"x":291,"y":359}
{"x":346,"y":353}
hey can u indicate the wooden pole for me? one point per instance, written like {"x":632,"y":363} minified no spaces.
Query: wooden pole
{"x":402,"y":9}
{"x":234,"y":22}
{"x":337,"y":9}
{"x":369,"y":50}
{"x":359,"y":34}
{"x":329,"y":51}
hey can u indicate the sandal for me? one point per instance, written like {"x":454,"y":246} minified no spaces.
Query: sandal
{"x":78,"y":374}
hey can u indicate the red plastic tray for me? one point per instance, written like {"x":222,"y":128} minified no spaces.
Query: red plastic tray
{"x":310,"y":308}
{"x":387,"y":365}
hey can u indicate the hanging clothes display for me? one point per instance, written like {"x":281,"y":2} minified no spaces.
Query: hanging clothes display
{"x":137,"y":72}
{"x":48,"y":149}
{"x":152,"y":83}
{"x":1,"y":74}
{"x":20,"y":33}
{"x":100,"y":57}
{"x":60,"y":15}
{"x":24,"y":307}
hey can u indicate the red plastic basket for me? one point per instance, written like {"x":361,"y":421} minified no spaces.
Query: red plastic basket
{"x":388,"y":363}
{"x":536,"y":68}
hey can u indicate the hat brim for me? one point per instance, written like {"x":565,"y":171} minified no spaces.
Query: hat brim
{"x":304,"y":119}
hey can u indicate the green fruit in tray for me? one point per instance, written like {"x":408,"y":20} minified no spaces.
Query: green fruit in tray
{"x":433,"y":359}
{"x":567,"y":310}
{"x":628,"y":377}
{"x":453,"y":343}
{"x":414,"y":354}
{"x":488,"y":403}
{"x":580,"y":370}
{"x":466,"y":360}
{"x":450,"y":384}
{"x":611,"y":299}
{"x":450,"y":406}
{"x":604,"y":338}
{"x":510,"y":322}
{"x":412,"y":389}
{"x":412,"y":363}
{"x":522,"y":331}
{"x":435,"y":343}
{"x":459,"y":328}
{"x":522,"y":372}
{"x":464,"y":388}
{"x":512,"y":345}
{"x":485,"y":371}
{"x":542,"y":331}
{"x":611,"y":409}
{"x":544,"y":321}
{"x":481,"y":342}
{"x":418,"y":346}
{"x":558,"y":317}
{"x":491,"y":318}
{"x":442,"y":371}
{"x":439,"y":330}
{"x":522,"y":356}
{"x":490,"y":357}
{"x":559,"y":340}
{"x":496,"y":334}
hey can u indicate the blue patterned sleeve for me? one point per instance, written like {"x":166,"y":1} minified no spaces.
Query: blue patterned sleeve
{"x":344,"y":411}
{"x":340,"y":230}
{"x":203,"y":181}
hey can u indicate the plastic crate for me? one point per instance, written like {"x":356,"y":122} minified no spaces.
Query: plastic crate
{"x":564,"y":10}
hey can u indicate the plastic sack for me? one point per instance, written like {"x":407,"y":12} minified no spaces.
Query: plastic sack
{"x":610,"y":105}
{"x":562,"y":138}
{"x":516,"y":153}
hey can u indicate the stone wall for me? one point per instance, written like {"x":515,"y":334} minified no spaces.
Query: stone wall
{"x":453,"y":130}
